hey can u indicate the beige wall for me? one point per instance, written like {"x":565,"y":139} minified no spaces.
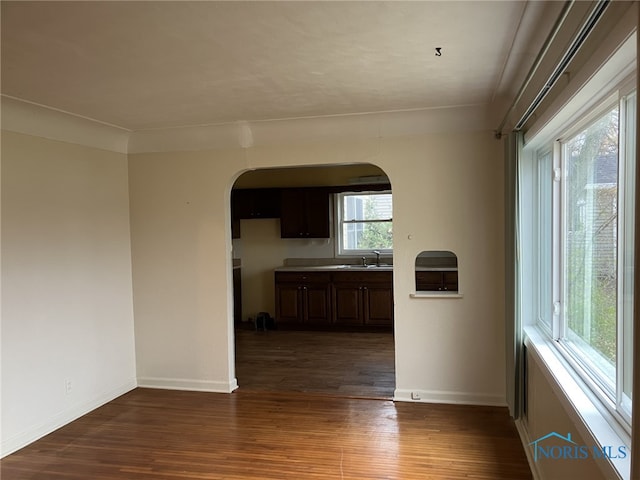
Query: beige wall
{"x":546,"y":414}
{"x":67,"y":309}
{"x":447,"y":196}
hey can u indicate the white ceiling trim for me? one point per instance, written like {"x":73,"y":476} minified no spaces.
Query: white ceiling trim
{"x":32,"y":119}
{"x":311,"y":130}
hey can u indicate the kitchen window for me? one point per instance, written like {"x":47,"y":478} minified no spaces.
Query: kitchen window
{"x":364,"y":222}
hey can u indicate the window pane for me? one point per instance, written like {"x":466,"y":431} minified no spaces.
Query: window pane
{"x":367,"y":207}
{"x":367,"y":236}
{"x":590,"y":243}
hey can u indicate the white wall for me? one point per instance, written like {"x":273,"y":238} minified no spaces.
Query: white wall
{"x":447,"y":196}
{"x":263,"y":250}
{"x":181,"y":251}
{"x":67,"y":313}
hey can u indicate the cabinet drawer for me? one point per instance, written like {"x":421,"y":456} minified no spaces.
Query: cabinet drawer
{"x":362,"y":277}
{"x":303,"y":277}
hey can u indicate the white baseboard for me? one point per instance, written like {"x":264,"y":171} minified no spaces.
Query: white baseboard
{"x":427,"y":396}
{"x":525,"y":438}
{"x":61,"y":419}
{"x":188,"y":384}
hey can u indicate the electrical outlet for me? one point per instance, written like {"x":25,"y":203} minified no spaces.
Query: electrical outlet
{"x":67,"y":386}
{"x":415,"y":396}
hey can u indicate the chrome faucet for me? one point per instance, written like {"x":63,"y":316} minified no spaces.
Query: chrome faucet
{"x":377,"y":252}
{"x":364,"y":261}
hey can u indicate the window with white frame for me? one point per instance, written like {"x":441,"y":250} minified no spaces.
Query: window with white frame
{"x":364,"y":222}
{"x":583,"y":238}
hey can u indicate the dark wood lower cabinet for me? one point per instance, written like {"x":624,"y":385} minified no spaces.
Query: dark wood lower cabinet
{"x":302,"y":298}
{"x":336,"y":299}
{"x":378,"y":305}
{"x":363,"y":298}
{"x":347,"y":304}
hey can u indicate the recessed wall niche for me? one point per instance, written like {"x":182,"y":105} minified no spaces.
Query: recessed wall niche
{"x":436,"y":271}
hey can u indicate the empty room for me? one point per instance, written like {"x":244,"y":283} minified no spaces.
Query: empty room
{"x":318,"y":239}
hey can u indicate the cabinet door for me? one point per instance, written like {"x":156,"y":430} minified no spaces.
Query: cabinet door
{"x":292,"y":214}
{"x":378,"y":305}
{"x":288,"y":303}
{"x":450,"y":281}
{"x":304,"y":213}
{"x":255,"y":203}
{"x":428,"y":281}
{"x":347,"y":304}
{"x":317,"y":213}
{"x":317,"y":304}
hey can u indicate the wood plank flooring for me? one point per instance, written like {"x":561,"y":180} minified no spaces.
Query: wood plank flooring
{"x":162,"y":434}
{"x":354,"y":364}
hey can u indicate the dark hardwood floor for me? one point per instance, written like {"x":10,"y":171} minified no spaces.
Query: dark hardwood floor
{"x":353,"y":364}
{"x":311,"y":405}
{"x":163,"y":434}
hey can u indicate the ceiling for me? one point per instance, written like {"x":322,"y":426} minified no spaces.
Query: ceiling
{"x":149,"y":65}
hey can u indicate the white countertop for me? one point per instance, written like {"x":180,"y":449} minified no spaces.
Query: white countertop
{"x":336,"y":268}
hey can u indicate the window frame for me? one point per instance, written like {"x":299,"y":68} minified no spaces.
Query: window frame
{"x":614,"y":401}
{"x":341,"y":251}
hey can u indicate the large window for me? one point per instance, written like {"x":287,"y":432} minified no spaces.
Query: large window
{"x":583,"y":239}
{"x":364,"y":222}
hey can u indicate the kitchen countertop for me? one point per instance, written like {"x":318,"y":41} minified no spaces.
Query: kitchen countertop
{"x":335,"y":268}
{"x":338,"y":268}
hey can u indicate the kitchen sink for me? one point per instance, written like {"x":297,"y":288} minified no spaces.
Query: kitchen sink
{"x":367,"y":267}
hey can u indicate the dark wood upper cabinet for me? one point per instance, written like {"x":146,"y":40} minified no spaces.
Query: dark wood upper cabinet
{"x":255,"y":203}
{"x":305,"y":213}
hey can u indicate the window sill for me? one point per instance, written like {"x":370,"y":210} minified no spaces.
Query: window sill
{"x":436,"y":295}
{"x":590,"y":418}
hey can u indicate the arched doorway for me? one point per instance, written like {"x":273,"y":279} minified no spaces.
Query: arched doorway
{"x":313,"y":344}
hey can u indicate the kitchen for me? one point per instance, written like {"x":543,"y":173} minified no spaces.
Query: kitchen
{"x":266,"y":247}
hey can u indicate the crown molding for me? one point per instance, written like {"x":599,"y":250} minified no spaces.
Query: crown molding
{"x":32,"y":119}
{"x":311,"y":130}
